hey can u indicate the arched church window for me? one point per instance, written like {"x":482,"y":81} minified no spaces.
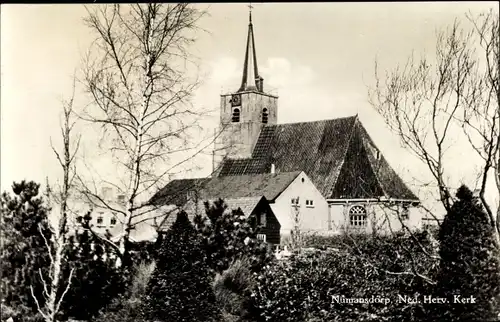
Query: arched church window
{"x":236,"y":115}
{"x":357,"y":216}
{"x":265,"y":115}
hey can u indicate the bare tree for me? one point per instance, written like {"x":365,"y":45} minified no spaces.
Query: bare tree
{"x":429,"y":104}
{"x":58,"y":202}
{"x":140,"y":82}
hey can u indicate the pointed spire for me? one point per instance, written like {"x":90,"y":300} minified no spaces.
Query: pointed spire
{"x":251,"y":79}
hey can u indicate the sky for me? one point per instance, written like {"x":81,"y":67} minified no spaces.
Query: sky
{"x":318,"y":57}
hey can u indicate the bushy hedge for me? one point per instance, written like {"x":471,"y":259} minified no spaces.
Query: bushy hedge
{"x":303,"y":288}
{"x":233,"y":288}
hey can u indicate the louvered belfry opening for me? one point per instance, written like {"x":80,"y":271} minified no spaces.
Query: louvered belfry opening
{"x":265,"y":116}
{"x":236,"y":115}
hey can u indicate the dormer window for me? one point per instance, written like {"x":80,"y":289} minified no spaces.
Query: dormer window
{"x":236,"y":115}
{"x":265,"y":116}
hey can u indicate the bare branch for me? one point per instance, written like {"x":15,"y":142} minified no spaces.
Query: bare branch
{"x":137,"y":79}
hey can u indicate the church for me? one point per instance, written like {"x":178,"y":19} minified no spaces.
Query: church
{"x":329,"y":171}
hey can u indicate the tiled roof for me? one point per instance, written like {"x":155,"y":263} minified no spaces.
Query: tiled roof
{"x":391,"y":183}
{"x":320,"y":149}
{"x":175,"y":192}
{"x":246,"y":204}
{"x":268,"y":185}
{"x":229,"y":187}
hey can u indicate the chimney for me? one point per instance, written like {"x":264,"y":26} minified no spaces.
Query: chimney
{"x":106,"y":193}
{"x":261,"y":84}
{"x":273,"y":169}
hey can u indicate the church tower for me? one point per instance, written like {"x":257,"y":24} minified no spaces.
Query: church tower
{"x":243,"y":113}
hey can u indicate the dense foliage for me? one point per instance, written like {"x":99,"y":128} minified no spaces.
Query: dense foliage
{"x":24,"y":256}
{"x":128,"y":307}
{"x":227,"y":235}
{"x":180,"y":287}
{"x":305,"y":288}
{"x":233,"y":288}
{"x":470,"y":263}
{"x":174,"y":280}
{"x":26,"y":234}
{"x":96,"y":278}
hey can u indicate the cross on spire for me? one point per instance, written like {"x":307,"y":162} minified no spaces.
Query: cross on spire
{"x":251,"y":79}
{"x":250,"y":7}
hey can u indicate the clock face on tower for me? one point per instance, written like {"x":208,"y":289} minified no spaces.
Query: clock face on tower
{"x":235,"y":100}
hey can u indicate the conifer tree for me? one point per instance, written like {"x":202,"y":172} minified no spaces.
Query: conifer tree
{"x":25,"y":232}
{"x":228,"y":235}
{"x":97,"y":279}
{"x":470,"y":263}
{"x":180,"y":287}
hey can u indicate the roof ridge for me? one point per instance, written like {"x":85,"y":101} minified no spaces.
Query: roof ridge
{"x":317,"y":121}
{"x":258,"y":174}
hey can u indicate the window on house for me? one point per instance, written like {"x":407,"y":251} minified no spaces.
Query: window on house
{"x":100,"y":219}
{"x":309,"y":203}
{"x":263,"y":219}
{"x":112,"y":221}
{"x":121,"y":198}
{"x":405,"y":212}
{"x":357,"y":216}
{"x":236,"y":115}
{"x":265,"y":116}
{"x":261,"y":237}
{"x":295,"y":201}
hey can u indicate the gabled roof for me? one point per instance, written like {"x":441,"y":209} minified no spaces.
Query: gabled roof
{"x":230,"y":187}
{"x":269,"y":185}
{"x":338,"y":155}
{"x":246,"y":204}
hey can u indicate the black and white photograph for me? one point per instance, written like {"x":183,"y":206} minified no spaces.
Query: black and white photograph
{"x":250,"y":162}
